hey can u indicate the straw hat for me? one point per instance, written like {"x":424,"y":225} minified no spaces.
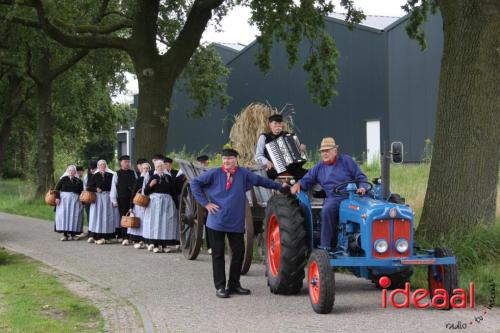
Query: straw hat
{"x":327,"y":143}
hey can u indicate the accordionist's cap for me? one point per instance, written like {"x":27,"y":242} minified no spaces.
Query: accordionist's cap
{"x":202,"y":158}
{"x":327,"y":143}
{"x":229,"y":152}
{"x":276,"y":117}
{"x":124,"y":158}
{"x":167,"y":160}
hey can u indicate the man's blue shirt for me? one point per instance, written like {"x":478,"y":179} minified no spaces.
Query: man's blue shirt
{"x":231,"y":214}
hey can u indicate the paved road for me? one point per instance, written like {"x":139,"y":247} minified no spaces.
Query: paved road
{"x":176,"y":295}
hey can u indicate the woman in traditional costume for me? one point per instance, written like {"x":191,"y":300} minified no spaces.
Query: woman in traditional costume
{"x":69,"y":210}
{"x":135,"y":234}
{"x":102,"y":215}
{"x":160,"y":218}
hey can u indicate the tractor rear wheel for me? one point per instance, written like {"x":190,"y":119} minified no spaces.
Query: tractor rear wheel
{"x":443,"y":276}
{"x":286,"y":245}
{"x":321,"y":282}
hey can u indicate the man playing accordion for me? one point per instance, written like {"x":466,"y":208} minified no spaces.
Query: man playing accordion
{"x":263,"y":156}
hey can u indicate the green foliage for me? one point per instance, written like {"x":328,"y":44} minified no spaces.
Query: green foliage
{"x":34,"y":301}
{"x":205,"y":80}
{"x":419,"y":10}
{"x":99,"y":149}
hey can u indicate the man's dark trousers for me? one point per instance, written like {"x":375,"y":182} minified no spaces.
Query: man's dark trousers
{"x":237,"y":245}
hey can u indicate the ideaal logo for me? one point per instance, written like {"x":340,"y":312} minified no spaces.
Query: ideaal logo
{"x":439,"y":300}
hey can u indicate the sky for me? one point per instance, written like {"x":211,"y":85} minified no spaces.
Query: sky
{"x":236,"y":29}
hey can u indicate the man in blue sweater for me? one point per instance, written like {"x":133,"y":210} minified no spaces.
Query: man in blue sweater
{"x":332,"y":171}
{"x":222,"y":192}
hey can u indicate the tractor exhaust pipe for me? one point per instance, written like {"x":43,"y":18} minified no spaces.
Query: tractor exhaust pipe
{"x":385,"y":165}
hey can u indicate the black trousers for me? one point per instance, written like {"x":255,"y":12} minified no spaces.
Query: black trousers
{"x":237,"y":245}
{"x":123,"y":207}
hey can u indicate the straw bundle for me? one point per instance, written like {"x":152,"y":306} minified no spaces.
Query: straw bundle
{"x":247,"y":127}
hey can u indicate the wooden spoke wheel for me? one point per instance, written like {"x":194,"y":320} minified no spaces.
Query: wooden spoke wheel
{"x":192,"y":217}
{"x":249,"y":239}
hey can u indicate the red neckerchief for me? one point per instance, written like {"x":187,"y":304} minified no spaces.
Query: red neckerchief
{"x":332,"y":162}
{"x":229,"y":174}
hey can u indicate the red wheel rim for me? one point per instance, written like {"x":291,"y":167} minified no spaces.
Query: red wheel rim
{"x":436,"y":282}
{"x":273,"y":245}
{"x":314,"y":282}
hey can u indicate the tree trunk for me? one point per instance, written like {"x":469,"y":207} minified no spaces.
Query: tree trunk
{"x":462,"y":186}
{"x":5,"y":131}
{"x":45,"y":126}
{"x":155,"y":91}
{"x":10,"y":111}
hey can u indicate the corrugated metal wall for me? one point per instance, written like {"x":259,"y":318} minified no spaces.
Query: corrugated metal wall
{"x":413,"y":86}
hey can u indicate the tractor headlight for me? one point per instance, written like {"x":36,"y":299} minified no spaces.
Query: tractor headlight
{"x":401,"y":245}
{"x":381,"y":245}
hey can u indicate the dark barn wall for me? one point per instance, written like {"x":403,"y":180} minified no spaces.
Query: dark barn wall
{"x":361,"y":89}
{"x":413,"y":86}
{"x":196,"y":134}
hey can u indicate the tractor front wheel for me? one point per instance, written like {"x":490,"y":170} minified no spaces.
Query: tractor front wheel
{"x":443,"y":276}
{"x":321,"y":282}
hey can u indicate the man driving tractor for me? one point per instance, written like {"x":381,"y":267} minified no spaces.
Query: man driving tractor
{"x":334,"y":169}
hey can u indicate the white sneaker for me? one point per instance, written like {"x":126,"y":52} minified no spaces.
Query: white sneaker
{"x":100,"y":241}
{"x":64,"y":238}
{"x":90,"y":240}
{"x":150,"y":247}
{"x":156,"y":250}
{"x":137,"y":245}
{"x":125,"y":242}
{"x":209,"y":251}
{"x":119,"y":240}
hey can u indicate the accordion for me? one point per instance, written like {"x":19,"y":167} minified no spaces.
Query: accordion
{"x":284,"y":152}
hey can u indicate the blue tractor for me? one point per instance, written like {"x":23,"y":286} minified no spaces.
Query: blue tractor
{"x":375,"y":239}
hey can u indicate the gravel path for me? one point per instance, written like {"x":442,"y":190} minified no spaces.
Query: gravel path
{"x":172,"y":294}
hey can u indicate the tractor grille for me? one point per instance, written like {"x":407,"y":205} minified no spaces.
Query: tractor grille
{"x":391,"y":230}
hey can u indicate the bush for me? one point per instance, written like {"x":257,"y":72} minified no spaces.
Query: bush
{"x":9,"y":173}
{"x":478,"y":257}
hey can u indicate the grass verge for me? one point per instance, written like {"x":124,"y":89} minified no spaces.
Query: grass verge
{"x":17,"y":197}
{"x":33,"y":301}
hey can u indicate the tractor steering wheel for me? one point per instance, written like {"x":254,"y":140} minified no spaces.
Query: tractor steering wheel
{"x":337,"y":188}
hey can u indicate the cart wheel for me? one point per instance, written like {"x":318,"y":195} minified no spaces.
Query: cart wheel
{"x":249,"y":239}
{"x":321,"y":282}
{"x":443,"y":276}
{"x":191,"y":220}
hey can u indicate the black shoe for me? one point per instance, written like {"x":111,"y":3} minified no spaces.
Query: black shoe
{"x":238,"y":290}
{"x":222,"y":293}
